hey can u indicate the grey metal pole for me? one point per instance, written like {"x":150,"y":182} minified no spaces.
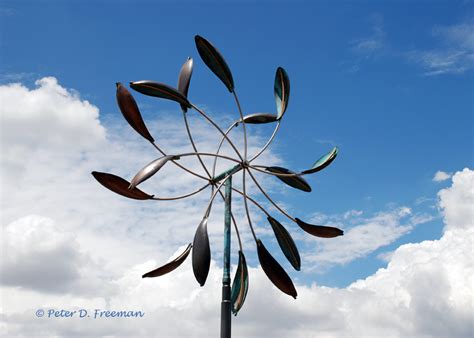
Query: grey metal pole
{"x":226,"y":302}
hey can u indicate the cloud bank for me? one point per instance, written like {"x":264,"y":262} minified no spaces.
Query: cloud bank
{"x":68,"y":244}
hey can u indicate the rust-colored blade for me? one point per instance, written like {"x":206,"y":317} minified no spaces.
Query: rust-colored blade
{"x":274,"y":271}
{"x":120,"y":186}
{"x":168,"y":267}
{"x":130,"y":111}
{"x":319,"y":230}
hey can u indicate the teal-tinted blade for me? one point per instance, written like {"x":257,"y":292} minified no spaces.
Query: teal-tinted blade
{"x":323,"y":161}
{"x":286,"y":243}
{"x":282,"y":91}
{"x":215,"y":61}
{"x":240,"y":285}
{"x":294,"y":181}
{"x":260,"y":118}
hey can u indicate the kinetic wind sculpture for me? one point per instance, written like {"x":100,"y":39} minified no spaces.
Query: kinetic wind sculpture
{"x":232,"y":298}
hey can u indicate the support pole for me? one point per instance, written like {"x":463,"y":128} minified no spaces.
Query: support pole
{"x":226,"y":302}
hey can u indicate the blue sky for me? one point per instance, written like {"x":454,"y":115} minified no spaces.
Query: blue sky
{"x":389,"y":83}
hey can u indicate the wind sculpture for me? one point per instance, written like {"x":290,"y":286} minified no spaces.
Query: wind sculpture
{"x":233,"y":298}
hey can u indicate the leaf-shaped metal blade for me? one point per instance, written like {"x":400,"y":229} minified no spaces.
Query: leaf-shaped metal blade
{"x":259,"y":118}
{"x":282,"y":91}
{"x":240,"y":285}
{"x":150,"y":169}
{"x":319,"y":230}
{"x":294,"y":181}
{"x":201,"y":253}
{"x":274,"y":271}
{"x":184,"y":79}
{"x":215,"y":61}
{"x":161,"y":90}
{"x":323,"y":161}
{"x":168,"y":267}
{"x":130,"y":111}
{"x":120,"y":186}
{"x":286,"y":243}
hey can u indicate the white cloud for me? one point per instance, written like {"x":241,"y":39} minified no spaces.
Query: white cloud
{"x":426,"y":289}
{"x":362,"y":235}
{"x":371,"y":45}
{"x":441,"y":176}
{"x":455,"y":54}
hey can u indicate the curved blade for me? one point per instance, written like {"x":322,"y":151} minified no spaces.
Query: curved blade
{"x":323,"y":161}
{"x":161,"y":90}
{"x":120,"y":186}
{"x":286,"y":243}
{"x":293,"y":181}
{"x":259,"y":118}
{"x":184,"y":79}
{"x":319,"y":230}
{"x":274,"y":271}
{"x":240,"y":285}
{"x":150,"y":169}
{"x":215,"y":61}
{"x":201,"y":253}
{"x":130,"y":111}
{"x":282,"y":91}
{"x":168,"y":267}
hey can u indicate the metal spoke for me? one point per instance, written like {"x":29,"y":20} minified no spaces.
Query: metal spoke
{"x":182,"y":196}
{"x":246,"y":206}
{"x":268,"y":142}
{"x":179,"y":165}
{"x":194,"y":145}
{"x":269,"y":198}
{"x":218,"y":128}
{"x":243,"y":124}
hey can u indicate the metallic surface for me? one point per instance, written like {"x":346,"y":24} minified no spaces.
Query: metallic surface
{"x":168,"y":267}
{"x":293,"y":181}
{"x":226,"y":290}
{"x":161,"y":90}
{"x":120,"y":186}
{"x":286,"y":243}
{"x":150,"y":169}
{"x":201,"y":253}
{"x":215,"y":61}
{"x":130,"y":111}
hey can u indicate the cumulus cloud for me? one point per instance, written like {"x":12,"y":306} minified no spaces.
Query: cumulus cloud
{"x":362,"y":235}
{"x":82,"y":230}
{"x":441,"y":176}
{"x":425,"y":291}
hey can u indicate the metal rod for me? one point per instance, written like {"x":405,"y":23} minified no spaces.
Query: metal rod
{"x":246,"y":205}
{"x":209,"y":154}
{"x":243,"y":123}
{"x":252,"y":200}
{"x":226,"y":318}
{"x":179,"y":165}
{"x":218,"y":128}
{"x":257,"y":168}
{"x":235,"y":124}
{"x":194,"y":145}
{"x":268,"y":197}
{"x":266,"y":144}
{"x":182,"y":196}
